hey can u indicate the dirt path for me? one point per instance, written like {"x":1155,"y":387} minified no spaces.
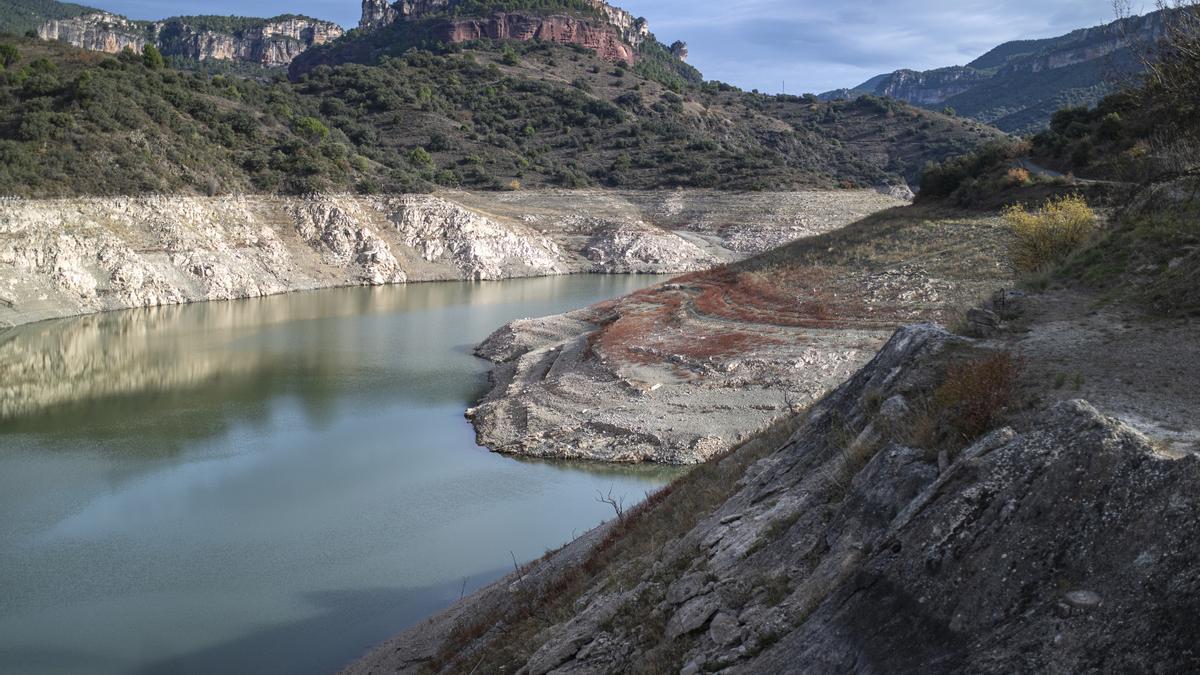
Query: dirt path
{"x":1143,"y":371}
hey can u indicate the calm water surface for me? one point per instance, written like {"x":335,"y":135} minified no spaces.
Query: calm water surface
{"x":267,"y":486}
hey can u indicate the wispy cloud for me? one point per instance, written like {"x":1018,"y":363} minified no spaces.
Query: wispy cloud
{"x":821,"y":45}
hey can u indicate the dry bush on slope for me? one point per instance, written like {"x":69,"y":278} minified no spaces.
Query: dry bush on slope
{"x":1047,"y":236}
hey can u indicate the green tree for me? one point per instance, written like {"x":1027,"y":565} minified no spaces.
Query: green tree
{"x":312,"y":127}
{"x":420,"y":157}
{"x":9,"y":55}
{"x":153,"y":58}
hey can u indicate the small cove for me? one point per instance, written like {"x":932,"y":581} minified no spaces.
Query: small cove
{"x":267,"y":485}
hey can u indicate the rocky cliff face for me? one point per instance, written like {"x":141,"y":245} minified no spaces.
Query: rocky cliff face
{"x":377,"y":14}
{"x":561,"y":29}
{"x":99,"y":32}
{"x":930,"y":87}
{"x":614,"y":33}
{"x":273,"y":42}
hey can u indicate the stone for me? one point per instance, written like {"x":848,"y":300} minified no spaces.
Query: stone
{"x":686,"y":588}
{"x":983,"y":322}
{"x":724,"y":629}
{"x":1083,"y":599}
{"x":692,"y":615}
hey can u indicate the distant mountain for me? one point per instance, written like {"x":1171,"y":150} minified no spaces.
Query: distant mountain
{"x":1018,"y":85}
{"x":269,"y":42}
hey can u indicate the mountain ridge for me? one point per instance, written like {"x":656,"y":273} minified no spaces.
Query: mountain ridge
{"x":1017,"y":85}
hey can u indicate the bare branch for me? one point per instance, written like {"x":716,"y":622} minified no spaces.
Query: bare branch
{"x":617,"y":503}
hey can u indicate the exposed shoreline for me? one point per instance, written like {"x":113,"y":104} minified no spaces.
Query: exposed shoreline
{"x":75,"y":256}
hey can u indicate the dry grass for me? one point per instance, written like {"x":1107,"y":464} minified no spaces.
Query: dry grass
{"x":1047,"y":236}
{"x":975,"y":394}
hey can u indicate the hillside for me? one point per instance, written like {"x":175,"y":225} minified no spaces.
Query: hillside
{"x":481,"y":115}
{"x":1018,"y":85}
{"x":995,"y":498}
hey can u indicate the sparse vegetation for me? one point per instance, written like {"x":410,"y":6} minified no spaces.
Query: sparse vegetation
{"x":9,"y":55}
{"x":975,"y":395}
{"x":636,"y":542}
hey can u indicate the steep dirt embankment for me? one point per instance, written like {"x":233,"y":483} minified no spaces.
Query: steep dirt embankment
{"x":689,"y":369}
{"x":74,"y":256}
{"x":1062,"y":543}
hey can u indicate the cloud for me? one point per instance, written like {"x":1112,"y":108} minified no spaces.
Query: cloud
{"x":816,"y":46}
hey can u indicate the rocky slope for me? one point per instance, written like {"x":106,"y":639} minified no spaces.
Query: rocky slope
{"x":861,"y":542}
{"x":692,"y":368}
{"x":268,"y":42}
{"x":1018,"y":85}
{"x":72,"y":256}
{"x":612,"y":33}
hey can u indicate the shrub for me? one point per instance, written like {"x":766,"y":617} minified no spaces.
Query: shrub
{"x":153,"y":58}
{"x":312,"y":127}
{"x":1050,"y":234}
{"x":1018,"y":176}
{"x":9,"y":55}
{"x":975,"y":394}
{"x":420,"y":157}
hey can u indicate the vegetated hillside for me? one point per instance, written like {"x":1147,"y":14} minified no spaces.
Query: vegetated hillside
{"x":18,"y":17}
{"x":492,"y":116}
{"x":1138,"y":147}
{"x":1018,"y":85}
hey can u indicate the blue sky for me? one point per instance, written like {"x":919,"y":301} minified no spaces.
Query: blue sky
{"x":813,"y":45}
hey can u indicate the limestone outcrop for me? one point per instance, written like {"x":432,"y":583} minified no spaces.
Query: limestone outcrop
{"x":268,"y":42}
{"x":611,"y":32}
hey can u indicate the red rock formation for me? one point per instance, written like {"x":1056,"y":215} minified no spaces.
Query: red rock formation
{"x":562,"y":29}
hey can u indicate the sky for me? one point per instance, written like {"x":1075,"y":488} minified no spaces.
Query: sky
{"x":803,"y":45}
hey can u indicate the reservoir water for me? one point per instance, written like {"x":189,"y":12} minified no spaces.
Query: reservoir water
{"x":267,"y":486}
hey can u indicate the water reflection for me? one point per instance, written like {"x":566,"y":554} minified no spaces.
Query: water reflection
{"x":106,"y":371}
{"x":217,"y":481}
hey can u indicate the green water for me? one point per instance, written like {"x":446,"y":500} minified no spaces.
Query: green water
{"x":267,"y":486}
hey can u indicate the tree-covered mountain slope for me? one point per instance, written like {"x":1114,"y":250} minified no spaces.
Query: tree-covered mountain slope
{"x":492,"y":115}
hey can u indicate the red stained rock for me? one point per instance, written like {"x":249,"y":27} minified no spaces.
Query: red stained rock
{"x":561,"y":29}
